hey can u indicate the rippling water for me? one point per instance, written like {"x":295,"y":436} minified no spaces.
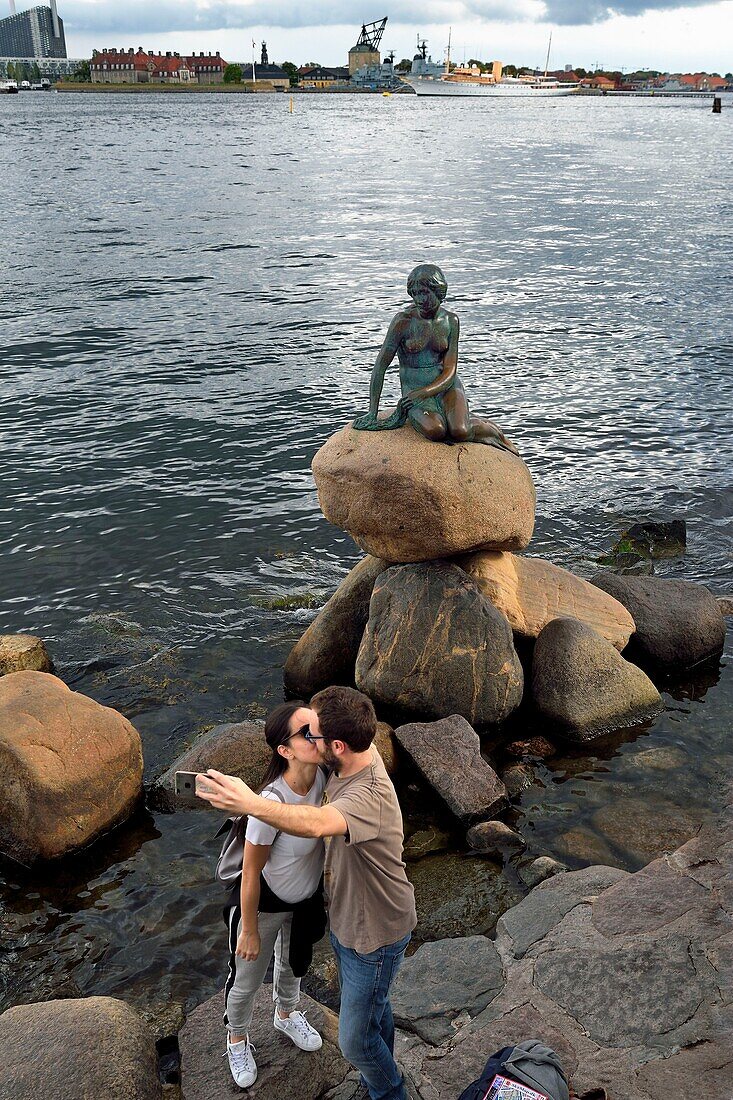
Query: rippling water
{"x":193,"y":291}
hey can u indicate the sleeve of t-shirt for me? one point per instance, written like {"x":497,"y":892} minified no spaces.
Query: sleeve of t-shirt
{"x":257,"y":831}
{"x":361,"y":808}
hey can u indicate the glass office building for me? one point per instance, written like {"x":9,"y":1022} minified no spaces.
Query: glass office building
{"x":35,"y":33}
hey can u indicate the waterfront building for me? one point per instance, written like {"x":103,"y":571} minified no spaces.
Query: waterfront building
{"x":111,"y":66}
{"x":35,"y":33}
{"x":318,"y":76}
{"x":266,"y":73}
{"x":366,"y":50}
{"x":50,"y":68}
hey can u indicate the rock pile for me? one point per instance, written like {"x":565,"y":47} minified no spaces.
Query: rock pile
{"x":430,"y":621}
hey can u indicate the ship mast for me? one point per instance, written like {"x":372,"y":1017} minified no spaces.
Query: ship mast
{"x":447,"y":56}
{"x":547,"y":59}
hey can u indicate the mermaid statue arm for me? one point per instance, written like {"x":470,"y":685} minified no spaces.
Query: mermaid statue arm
{"x":387,"y":353}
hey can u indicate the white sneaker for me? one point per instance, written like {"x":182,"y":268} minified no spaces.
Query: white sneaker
{"x":297,"y":1028}
{"x":242,"y":1062}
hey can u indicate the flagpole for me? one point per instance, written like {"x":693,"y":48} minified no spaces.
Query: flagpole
{"x":254,"y":78}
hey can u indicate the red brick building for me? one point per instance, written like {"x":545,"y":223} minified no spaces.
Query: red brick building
{"x":147,"y":67}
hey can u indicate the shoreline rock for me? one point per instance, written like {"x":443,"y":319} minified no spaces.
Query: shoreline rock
{"x":406,"y":499}
{"x":531,"y":592}
{"x":584,"y":686}
{"x":23,"y":653}
{"x":448,"y":756}
{"x":326,"y":653}
{"x":70,"y":769}
{"x":235,"y":748}
{"x":435,"y":646}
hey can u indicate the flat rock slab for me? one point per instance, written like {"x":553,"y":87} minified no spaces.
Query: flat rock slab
{"x":448,"y":755}
{"x":628,"y":977}
{"x":405,"y":499}
{"x":444,"y":980}
{"x":237,"y":748}
{"x":283,"y":1069}
{"x":23,"y":653}
{"x":70,"y":769}
{"x":678,"y":624}
{"x":94,"y":1047}
{"x":326,"y":653}
{"x":532,"y":592}
{"x":584,"y":687}
{"x":435,"y":646}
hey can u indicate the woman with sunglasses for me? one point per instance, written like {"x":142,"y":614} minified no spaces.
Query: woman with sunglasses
{"x":278,"y":906}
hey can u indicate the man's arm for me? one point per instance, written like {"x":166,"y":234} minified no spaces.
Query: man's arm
{"x":226,"y":792}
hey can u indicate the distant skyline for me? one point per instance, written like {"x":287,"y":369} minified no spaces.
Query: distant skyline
{"x":627,"y":34}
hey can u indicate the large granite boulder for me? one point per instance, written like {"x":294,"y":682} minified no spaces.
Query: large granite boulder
{"x":445,"y":981}
{"x":326,"y":653}
{"x":405,"y":499}
{"x":236,"y":748}
{"x":627,"y":976}
{"x":678,"y":624}
{"x":70,"y":769}
{"x":448,"y":755}
{"x":584,"y":686}
{"x":283,"y":1070}
{"x":436,"y":646}
{"x":532,"y":592}
{"x":23,"y":653}
{"x":95,"y":1047}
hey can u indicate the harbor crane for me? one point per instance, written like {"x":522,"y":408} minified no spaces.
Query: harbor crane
{"x":372,"y":33}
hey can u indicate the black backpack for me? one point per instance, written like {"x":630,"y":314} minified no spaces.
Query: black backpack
{"x":478,"y":1090}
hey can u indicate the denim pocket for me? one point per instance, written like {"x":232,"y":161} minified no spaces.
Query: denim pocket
{"x":373,"y":957}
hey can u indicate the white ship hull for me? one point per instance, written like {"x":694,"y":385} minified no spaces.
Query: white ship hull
{"x":519,"y":88}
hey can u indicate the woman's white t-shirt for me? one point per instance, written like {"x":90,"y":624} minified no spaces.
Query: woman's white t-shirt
{"x":295,"y":865}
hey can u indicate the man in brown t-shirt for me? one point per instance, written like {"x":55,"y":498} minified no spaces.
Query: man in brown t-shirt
{"x":371,"y":902}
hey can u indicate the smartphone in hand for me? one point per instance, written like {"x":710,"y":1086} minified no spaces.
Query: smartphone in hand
{"x":186,"y":787}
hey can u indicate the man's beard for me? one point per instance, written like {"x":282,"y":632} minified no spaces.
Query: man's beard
{"x":329,"y":757}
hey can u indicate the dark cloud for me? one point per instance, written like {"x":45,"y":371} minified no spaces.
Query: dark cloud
{"x":136,"y":17}
{"x":578,"y":12}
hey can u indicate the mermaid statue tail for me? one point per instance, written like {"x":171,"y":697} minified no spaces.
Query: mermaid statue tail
{"x":371,"y":422}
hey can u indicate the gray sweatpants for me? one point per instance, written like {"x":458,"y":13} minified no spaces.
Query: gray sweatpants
{"x":245,"y":978}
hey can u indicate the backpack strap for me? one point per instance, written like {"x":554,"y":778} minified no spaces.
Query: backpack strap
{"x":279,"y":798}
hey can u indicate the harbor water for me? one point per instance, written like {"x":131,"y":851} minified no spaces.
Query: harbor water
{"x":192,"y":293}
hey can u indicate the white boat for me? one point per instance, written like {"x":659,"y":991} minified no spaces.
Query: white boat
{"x":465,"y":81}
{"x":8,"y":87}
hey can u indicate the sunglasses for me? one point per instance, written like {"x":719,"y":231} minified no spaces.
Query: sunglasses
{"x":311,"y":738}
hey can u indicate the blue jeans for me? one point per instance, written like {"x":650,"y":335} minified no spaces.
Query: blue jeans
{"x":366,"y":1026}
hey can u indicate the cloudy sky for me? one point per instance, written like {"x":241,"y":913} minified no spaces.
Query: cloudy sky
{"x":660,"y":34}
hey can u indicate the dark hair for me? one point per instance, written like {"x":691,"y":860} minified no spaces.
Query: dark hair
{"x":347,"y":715}
{"x":277,"y":732}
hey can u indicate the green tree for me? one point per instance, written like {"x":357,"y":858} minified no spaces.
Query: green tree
{"x":233,"y":74}
{"x":35,"y":73}
{"x":292,"y":71}
{"x":83,"y":74}
{"x":11,"y":71}
{"x":480,"y":64}
{"x":404,"y":65}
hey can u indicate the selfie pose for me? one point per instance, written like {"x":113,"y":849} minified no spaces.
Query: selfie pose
{"x":276,"y":902}
{"x":371,"y":902}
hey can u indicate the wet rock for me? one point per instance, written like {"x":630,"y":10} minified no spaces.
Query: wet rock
{"x":644,"y":828}
{"x":531,"y":593}
{"x":663,"y":758}
{"x":584,"y":686}
{"x":436,"y":646}
{"x":92,"y":1047}
{"x":444,"y":980}
{"x":459,"y":895}
{"x":725,"y":603}
{"x":494,"y":838}
{"x":405,"y":499}
{"x":326,"y":653}
{"x":630,"y":565}
{"x":23,"y":653}
{"x":283,"y":1069}
{"x":539,"y":869}
{"x":678,"y":624}
{"x":70,"y":769}
{"x":448,"y":755}
{"x":582,"y":845}
{"x":655,"y":539}
{"x":538,"y":747}
{"x":237,"y":748}
{"x":517,"y":778}
{"x":385,"y":744}
{"x":426,"y":842}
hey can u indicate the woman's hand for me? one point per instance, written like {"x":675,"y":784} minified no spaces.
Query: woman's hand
{"x":405,"y":403}
{"x":248,"y":945}
{"x":226,"y":792}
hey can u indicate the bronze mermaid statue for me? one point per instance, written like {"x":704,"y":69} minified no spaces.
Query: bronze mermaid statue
{"x":424,"y":337}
